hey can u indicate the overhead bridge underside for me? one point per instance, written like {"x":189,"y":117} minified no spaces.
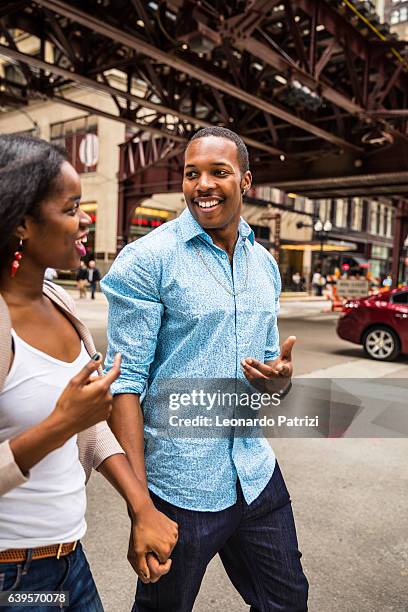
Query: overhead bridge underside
{"x":318,"y":89}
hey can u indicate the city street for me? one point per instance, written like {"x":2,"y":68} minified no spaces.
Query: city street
{"x":157,"y":124}
{"x":349,"y":495}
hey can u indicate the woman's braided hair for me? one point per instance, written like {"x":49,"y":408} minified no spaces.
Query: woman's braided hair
{"x":29,"y":170}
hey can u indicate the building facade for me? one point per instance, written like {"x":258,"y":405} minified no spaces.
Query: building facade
{"x":395,"y":13}
{"x":361,"y":234}
{"x":361,"y":229}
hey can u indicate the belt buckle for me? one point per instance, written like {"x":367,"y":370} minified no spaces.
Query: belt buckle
{"x":59,"y":551}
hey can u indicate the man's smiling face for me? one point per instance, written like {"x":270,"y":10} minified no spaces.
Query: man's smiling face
{"x":213,"y":182}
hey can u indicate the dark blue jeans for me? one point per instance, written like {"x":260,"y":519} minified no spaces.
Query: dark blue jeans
{"x":70,"y":573}
{"x":258,"y":547}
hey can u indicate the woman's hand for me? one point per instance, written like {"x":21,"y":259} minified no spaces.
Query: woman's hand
{"x":86,"y":400}
{"x":152,"y":532}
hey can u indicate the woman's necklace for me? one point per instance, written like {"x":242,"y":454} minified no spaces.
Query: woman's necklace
{"x":227,"y":289}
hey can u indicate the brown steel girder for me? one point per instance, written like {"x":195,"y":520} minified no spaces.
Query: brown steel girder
{"x":192,"y":66}
{"x":233,"y":82}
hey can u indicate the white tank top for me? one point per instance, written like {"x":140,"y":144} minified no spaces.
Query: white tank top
{"x":50,"y":507}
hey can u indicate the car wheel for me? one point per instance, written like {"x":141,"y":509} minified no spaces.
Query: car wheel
{"x":381,"y":343}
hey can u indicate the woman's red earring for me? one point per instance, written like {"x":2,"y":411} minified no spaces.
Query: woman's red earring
{"x":18,"y":256}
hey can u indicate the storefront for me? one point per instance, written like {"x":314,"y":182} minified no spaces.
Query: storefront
{"x":380,"y":264}
{"x":145,"y":219}
{"x":91,"y":209}
{"x":306,"y":257}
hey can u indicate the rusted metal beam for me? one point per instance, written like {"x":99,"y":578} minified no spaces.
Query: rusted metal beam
{"x":389,"y":85}
{"x":98,"y":86}
{"x":28,"y":75}
{"x":387,"y":180}
{"x":266,"y":54}
{"x":59,"y":39}
{"x":354,"y":79}
{"x":12,"y":7}
{"x":194,"y":71}
{"x":141,"y":11}
{"x":242,"y":25}
{"x":130,"y":122}
{"x":326,"y":56}
{"x":296,"y":37}
{"x":313,"y":37}
{"x":394,"y":112}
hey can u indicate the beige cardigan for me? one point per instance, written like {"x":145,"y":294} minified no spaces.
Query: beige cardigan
{"x":94,"y":444}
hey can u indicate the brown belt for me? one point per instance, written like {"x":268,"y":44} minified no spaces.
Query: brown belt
{"x":17,"y":555}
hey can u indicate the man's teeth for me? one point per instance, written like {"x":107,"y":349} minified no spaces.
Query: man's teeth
{"x":208,"y":204}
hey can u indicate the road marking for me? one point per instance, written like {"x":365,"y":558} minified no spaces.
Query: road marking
{"x":331,"y":316}
{"x":358,"y":368}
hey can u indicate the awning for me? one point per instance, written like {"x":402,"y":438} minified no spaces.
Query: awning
{"x":328,"y":247}
{"x":360,"y":261}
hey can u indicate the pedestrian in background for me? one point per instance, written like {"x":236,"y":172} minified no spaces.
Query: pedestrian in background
{"x":82,"y":280}
{"x":296,"y":280}
{"x":318,"y":282}
{"x":94,"y":276}
{"x":387,"y":282}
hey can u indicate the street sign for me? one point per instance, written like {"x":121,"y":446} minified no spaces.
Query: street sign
{"x":352,"y":287}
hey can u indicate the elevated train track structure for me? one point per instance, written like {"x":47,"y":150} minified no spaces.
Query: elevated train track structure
{"x":318,"y":89}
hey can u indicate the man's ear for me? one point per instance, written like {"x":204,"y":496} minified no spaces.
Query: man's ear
{"x":246,"y":181}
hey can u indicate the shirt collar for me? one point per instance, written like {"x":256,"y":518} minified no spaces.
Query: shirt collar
{"x":190,"y":228}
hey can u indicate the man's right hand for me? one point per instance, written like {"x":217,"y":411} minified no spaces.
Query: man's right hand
{"x":152,"y":532}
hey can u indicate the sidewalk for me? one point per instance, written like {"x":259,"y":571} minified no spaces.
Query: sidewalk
{"x":285,"y":295}
{"x":95,"y":312}
{"x":301,"y":296}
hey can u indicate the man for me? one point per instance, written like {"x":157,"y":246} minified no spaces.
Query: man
{"x":198,"y":298}
{"x":296,"y":280}
{"x":318,"y":282}
{"x":94,"y":277}
{"x":81,"y":279}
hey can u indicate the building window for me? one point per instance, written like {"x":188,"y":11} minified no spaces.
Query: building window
{"x":80,"y":138}
{"x":333,"y":212}
{"x":403,"y":14}
{"x":381,"y":227}
{"x":373,"y":217}
{"x":145,"y":219}
{"x":395,"y":17}
{"x":388,"y":232}
{"x":356,"y":214}
{"x":365,"y":216}
{"x":341,"y":213}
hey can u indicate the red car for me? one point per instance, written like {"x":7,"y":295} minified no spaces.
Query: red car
{"x":378,"y":322}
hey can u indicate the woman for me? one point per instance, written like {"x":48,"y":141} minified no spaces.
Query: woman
{"x":49,"y":394}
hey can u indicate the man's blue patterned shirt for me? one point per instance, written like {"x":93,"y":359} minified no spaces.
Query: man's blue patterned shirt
{"x":171,"y":318}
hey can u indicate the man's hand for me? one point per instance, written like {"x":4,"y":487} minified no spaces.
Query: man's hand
{"x":157,"y":569}
{"x":152,"y":532}
{"x":279,"y":368}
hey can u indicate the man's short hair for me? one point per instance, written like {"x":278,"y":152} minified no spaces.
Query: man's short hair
{"x":221,"y":132}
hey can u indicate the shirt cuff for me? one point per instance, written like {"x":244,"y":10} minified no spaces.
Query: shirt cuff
{"x":271,"y":356}
{"x":126,"y":386}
